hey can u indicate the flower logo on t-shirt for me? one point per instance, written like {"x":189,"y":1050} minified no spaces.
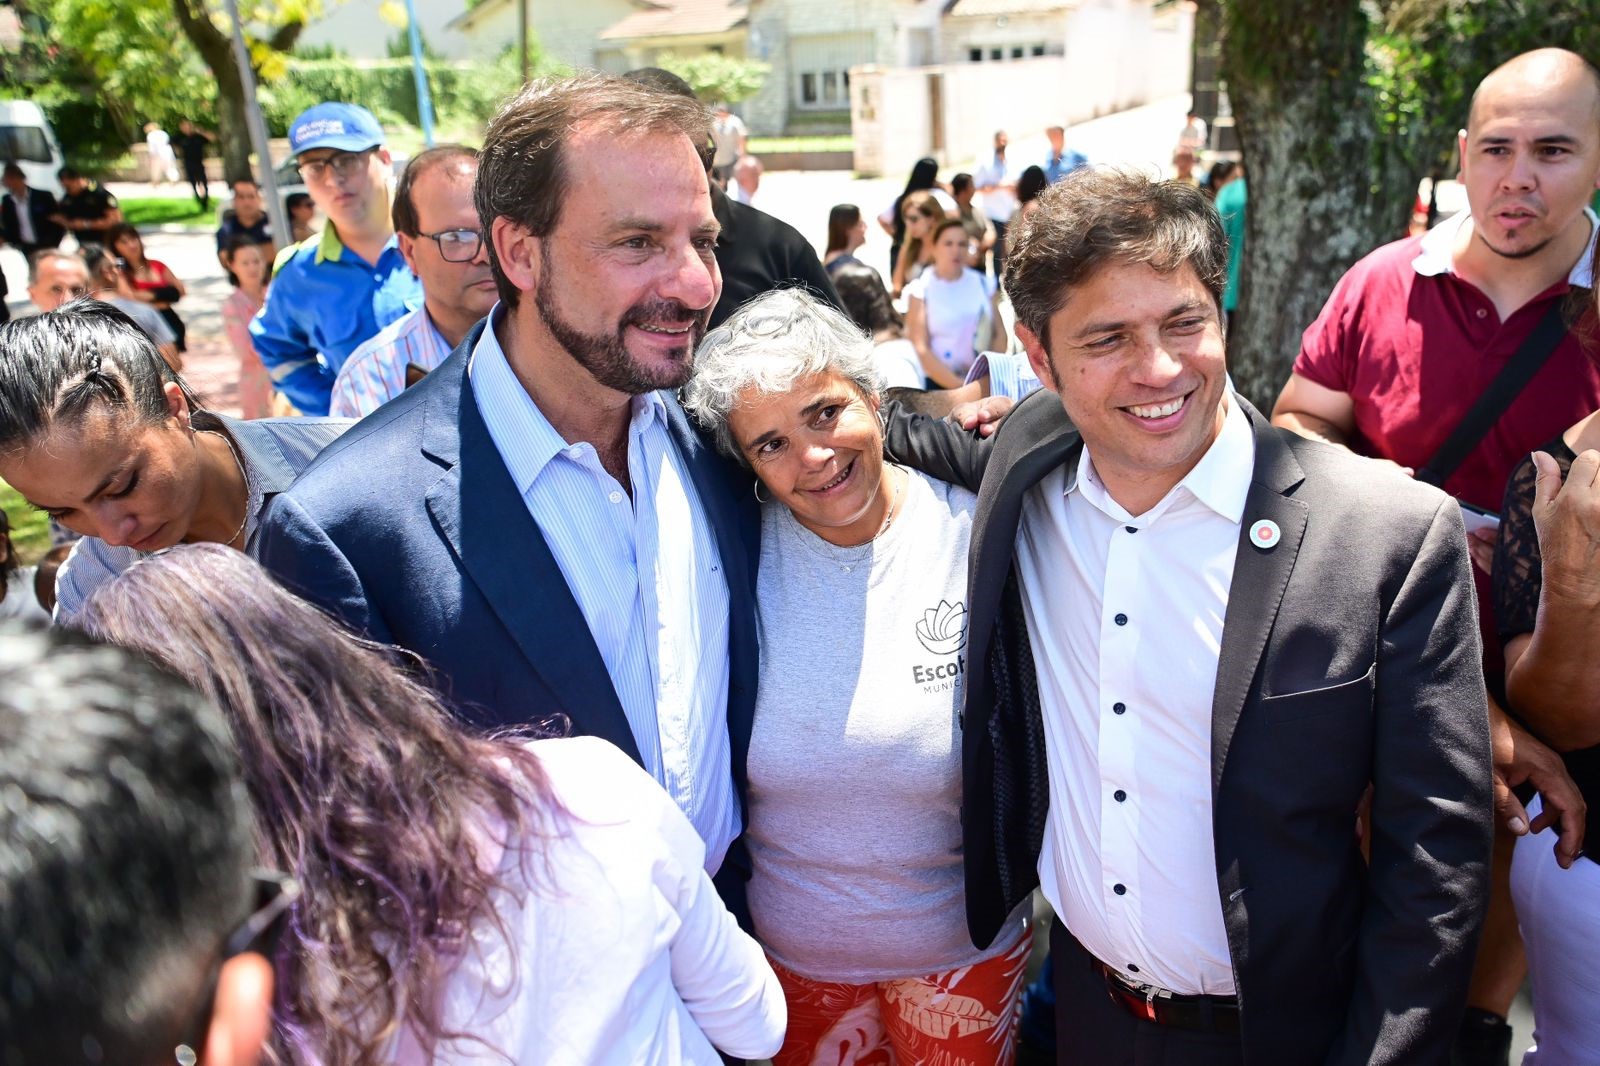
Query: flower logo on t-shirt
{"x":943,"y":629}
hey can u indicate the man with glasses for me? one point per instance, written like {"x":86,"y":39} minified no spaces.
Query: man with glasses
{"x":133,"y":930}
{"x":437,"y":226}
{"x":331,"y":294}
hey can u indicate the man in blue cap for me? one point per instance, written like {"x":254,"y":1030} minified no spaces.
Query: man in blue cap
{"x":332,"y":292}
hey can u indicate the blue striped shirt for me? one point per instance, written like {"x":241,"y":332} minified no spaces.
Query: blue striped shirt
{"x":375,"y":373}
{"x":646,"y":574}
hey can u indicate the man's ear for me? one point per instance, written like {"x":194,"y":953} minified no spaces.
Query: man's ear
{"x":241,"y":1014}
{"x":407,"y":245}
{"x":1038,"y":358}
{"x":518,"y":251}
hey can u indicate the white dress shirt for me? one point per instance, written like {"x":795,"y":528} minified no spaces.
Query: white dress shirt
{"x":25,"y":217}
{"x":647,"y":575}
{"x":375,"y":373}
{"x":612,"y":947}
{"x":1125,"y":615}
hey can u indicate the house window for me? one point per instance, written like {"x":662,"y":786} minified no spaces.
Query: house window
{"x":1016,"y":53}
{"x":822,"y":68}
{"x":808,"y":88}
{"x":975,"y":55}
{"x":997,"y":54}
{"x":1038,"y":50}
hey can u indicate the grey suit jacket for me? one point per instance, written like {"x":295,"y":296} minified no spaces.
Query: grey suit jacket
{"x":1350,"y":656}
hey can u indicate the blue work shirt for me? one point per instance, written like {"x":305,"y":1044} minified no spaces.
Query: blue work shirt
{"x":1060,"y":166}
{"x":324,"y":303}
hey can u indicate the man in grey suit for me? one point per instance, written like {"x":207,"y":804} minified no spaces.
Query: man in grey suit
{"x":1197,"y":642}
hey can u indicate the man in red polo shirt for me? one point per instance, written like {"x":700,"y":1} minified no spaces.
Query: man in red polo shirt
{"x":1415,"y":332}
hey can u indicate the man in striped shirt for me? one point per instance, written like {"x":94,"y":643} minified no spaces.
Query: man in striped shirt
{"x":439,"y":236}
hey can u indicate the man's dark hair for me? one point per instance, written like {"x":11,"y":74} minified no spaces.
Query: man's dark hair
{"x":68,"y":172}
{"x":236,"y":182}
{"x":405,"y":209}
{"x":1101,"y":215}
{"x":296,"y":199}
{"x":12,"y":170}
{"x":522,"y":168}
{"x":960,"y":184}
{"x":125,"y":853}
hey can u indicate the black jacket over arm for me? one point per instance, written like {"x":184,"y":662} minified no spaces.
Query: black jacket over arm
{"x":1349,"y":656}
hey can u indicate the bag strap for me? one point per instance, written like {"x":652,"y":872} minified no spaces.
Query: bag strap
{"x":1507,"y":385}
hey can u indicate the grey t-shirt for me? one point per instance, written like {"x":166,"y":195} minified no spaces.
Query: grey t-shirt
{"x":855,"y":756}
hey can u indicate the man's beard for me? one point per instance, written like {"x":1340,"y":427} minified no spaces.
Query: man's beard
{"x":606,"y":357}
{"x":1524,"y":253}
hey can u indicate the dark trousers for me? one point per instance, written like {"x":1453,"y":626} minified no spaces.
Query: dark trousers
{"x":999,"y":253}
{"x":1092,"y":1030}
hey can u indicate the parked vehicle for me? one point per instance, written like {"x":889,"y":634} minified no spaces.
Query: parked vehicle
{"x":27,"y":140}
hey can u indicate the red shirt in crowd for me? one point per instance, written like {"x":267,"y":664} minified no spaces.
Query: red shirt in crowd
{"x":1414,"y":346}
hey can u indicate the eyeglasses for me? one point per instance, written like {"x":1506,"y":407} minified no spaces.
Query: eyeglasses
{"x":343,"y":165}
{"x":456,"y":245}
{"x":275,"y":893}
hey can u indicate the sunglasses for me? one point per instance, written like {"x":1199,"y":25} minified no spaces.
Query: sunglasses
{"x":260,"y":933}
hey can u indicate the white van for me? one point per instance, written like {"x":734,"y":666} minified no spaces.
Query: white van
{"x":27,"y":140}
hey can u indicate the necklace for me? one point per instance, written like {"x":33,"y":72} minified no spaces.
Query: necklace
{"x":242,"y":476}
{"x":888,"y":516}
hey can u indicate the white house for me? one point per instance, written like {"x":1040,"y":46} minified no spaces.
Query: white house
{"x":362,"y":28}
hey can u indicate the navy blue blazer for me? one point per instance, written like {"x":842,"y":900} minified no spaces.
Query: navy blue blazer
{"x":410,"y":529}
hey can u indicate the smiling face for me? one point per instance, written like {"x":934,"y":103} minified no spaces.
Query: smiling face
{"x":113,"y":476}
{"x":1530,"y":155}
{"x":626,"y":280}
{"x":1137,"y":359}
{"x":818,"y":449}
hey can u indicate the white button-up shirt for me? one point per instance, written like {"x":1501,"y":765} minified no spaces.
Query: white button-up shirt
{"x":647,"y":575}
{"x":375,"y":373}
{"x":1125,"y":614}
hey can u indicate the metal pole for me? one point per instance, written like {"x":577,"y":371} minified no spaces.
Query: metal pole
{"x":522,"y":37}
{"x":258,"y":132}
{"x":420,"y":73}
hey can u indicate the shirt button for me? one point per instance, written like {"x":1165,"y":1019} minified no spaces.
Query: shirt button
{"x":1131,"y":529}
{"x":616,"y":497}
{"x":1119,"y":795}
{"x":1121,"y":890}
{"x":1121,"y":619}
{"x":1483,"y":312}
{"x":1133,"y":968}
{"x":1118,"y":708}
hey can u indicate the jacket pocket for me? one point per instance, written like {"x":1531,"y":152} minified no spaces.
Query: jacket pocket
{"x":1347,"y":697}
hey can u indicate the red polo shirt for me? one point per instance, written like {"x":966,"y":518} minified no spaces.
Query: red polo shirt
{"x":1414,"y":346}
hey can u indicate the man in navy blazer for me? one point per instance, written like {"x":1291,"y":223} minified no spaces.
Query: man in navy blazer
{"x":39,"y":208}
{"x":537,"y":519}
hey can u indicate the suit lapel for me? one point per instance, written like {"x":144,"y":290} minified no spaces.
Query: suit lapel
{"x":1259,"y":579}
{"x":482,"y":516}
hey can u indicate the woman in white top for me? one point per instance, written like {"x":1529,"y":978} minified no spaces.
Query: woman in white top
{"x":854,"y":765}
{"x":952,"y":310}
{"x":467,"y":899}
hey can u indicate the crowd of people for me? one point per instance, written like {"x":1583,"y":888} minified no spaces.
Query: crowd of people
{"x":634,"y":638}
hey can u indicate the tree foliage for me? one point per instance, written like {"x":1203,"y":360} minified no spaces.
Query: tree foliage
{"x":715,"y":77}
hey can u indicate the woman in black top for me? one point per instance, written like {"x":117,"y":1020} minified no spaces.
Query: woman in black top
{"x":1547,"y":605}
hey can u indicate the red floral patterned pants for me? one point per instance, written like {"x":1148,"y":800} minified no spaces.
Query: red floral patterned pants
{"x":962,"y":1017}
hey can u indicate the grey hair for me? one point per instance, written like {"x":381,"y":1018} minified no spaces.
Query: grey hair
{"x":768,"y":344}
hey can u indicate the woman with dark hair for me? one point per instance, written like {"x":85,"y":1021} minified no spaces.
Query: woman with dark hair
{"x":97,"y":431}
{"x":924,"y":178}
{"x":867,"y":302}
{"x":16,"y":581}
{"x":1030,"y":184}
{"x":847,"y":231}
{"x":466,"y":898}
{"x":1545,"y":599}
{"x":153,"y":281}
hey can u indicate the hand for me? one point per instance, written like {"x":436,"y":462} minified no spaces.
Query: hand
{"x":1567,"y":520}
{"x":1520,"y":758}
{"x":1480,"y":545}
{"x":1391,"y":464}
{"x":983,"y":415}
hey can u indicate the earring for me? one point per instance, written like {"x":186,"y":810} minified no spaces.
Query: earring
{"x":755,"y":487}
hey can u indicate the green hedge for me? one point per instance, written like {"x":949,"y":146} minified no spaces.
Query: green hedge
{"x":466,"y":93}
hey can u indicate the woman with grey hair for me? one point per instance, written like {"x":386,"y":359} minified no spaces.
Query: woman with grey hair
{"x":855,"y":756}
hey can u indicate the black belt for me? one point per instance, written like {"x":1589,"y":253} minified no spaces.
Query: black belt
{"x":1211,"y":1014}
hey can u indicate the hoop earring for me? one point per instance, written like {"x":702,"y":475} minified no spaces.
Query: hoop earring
{"x":755,"y":489}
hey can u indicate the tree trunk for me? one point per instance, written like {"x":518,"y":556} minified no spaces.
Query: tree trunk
{"x":216,"y":49}
{"x":1322,"y":187}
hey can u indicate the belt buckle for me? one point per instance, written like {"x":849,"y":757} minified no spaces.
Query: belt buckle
{"x":1150,"y":992}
